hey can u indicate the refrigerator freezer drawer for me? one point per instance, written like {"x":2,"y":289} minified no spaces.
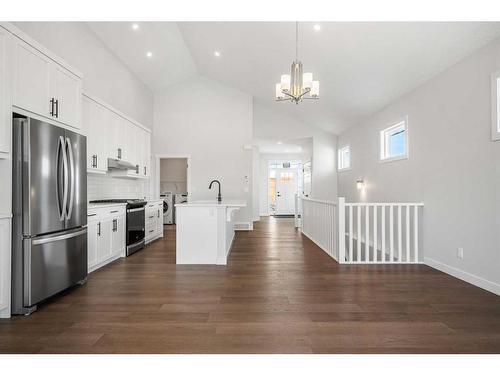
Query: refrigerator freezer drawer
{"x":53,"y":263}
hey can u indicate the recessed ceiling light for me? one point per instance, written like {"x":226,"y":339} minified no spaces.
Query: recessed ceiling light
{"x":216,"y":53}
{"x":280,"y":143}
{"x":317,"y":27}
{"x":149,"y":55}
{"x":135,"y":26}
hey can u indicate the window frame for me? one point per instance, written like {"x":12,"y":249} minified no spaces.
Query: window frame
{"x":383,"y":144}
{"x":495,"y":106}
{"x":339,"y":153}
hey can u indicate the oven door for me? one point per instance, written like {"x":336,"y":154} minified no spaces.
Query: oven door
{"x":135,"y":227}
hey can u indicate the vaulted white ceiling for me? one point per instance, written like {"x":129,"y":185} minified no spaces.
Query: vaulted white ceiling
{"x":361,"y":66}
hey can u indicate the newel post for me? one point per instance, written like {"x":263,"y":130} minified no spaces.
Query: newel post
{"x":341,"y":229}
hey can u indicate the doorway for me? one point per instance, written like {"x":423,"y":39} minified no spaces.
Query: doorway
{"x":285,"y":179}
{"x":172,"y":184}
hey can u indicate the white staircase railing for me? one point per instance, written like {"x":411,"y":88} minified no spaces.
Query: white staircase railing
{"x":319,"y":222}
{"x":363,"y":233}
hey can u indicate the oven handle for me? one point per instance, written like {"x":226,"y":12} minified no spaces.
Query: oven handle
{"x":135,"y":209}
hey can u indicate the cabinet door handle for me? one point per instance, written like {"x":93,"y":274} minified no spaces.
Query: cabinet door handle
{"x":158,"y":213}
{"x":88,"y":215}
{"x":115,"y":225}
{"x":152,"y":216}
{"x":119,"y":153}
{"x":137,"y":169}
{"x":144,"y":171}
{"x":151,"y":231}
{"x":99,"y":229}
{"x":52,"y":106}
{"x":57,"y":108}
{"x":112,"y":212}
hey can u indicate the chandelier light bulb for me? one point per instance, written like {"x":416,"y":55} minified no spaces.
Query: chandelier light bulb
{"x":314,"y":89}
{"x":285,"y":82}
{"x":307,"y":80}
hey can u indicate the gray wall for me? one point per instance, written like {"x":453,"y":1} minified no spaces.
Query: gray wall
{"x":453,"y":167}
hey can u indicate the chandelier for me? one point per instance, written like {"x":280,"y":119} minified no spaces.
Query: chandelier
{"x":297,"y":85}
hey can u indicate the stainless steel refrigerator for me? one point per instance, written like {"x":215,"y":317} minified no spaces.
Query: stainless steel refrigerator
{"x":49,"y":247}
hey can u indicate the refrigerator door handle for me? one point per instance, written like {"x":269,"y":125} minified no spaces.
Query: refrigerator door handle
{"x":72,"y":178}
{"x":66,"y":182}
{"x":58,"y":238}
{"x":60,"y":210}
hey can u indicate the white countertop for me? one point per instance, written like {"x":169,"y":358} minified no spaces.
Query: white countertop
{"x":104,"y":205}
{"x":213,"y":203}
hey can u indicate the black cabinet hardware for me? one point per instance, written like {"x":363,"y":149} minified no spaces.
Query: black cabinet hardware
{"x":57,"y":108}
{"x":119,"y":153}
{"x":112,"y":212}
{"x":52,"y":106}
{"x":99,"y":229}
{"x":88,"y":215}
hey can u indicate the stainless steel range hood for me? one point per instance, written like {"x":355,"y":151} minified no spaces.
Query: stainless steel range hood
{"x":120,"y":164}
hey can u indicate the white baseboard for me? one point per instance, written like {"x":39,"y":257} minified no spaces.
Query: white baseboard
{"x":264,"y":214}
{"x":256,"y":218}
{"x":490,"y":286}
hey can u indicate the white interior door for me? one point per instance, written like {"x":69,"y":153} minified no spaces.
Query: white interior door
{"x":286,"y":188}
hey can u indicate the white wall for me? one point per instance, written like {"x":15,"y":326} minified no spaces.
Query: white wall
{"x":105,"y":76}
{"x":173,"y":175}
{"x":453,"y":167}
{"x":324,"y":163}
{"x":212,"y":123}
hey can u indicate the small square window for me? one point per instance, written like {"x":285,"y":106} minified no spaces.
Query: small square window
{"x":344,"y":161}
{"x":394,"y":142}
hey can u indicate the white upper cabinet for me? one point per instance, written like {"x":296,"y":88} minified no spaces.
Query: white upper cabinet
{"x":31,"y":80}
{"x":112,"y":135}
{"x":45,"y":87}
{"x":5,"y":122}
{"x":146,"y":139}
{"x":66,"y":89}
{"x":94,"y":126}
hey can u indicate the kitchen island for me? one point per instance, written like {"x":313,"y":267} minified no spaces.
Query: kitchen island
{"x":205,"y":231}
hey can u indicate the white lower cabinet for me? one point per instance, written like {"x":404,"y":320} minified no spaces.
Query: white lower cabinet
{"x":154,"y":220}
{"x":5,"y":266}
{"x":106,"y":235}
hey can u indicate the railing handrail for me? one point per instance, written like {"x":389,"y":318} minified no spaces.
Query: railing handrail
{"x":317,"y":200}
{"x":420,"y":204}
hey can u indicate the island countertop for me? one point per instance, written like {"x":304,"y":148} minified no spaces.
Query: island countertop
{"x":213,"y":203}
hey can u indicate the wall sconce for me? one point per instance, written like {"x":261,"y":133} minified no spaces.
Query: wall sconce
{"x":360,"y":184}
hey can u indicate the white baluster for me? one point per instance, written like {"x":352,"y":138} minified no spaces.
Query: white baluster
{"x":367,"y":233}
{"x":383,"y":234}
{"x":358,"y":241}
{"x":391,"y":232}
{"x":415,"y":230}
{"x":375,"y":255}
{"x":350,"y":233}
{"x":400,"y":241}
{"x":408,"y":234}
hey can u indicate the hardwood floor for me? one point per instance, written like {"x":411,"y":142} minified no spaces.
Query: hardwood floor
{"x":279,"y":293}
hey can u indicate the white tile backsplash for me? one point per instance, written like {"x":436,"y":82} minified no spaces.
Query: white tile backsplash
{"x":106,"y":187}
